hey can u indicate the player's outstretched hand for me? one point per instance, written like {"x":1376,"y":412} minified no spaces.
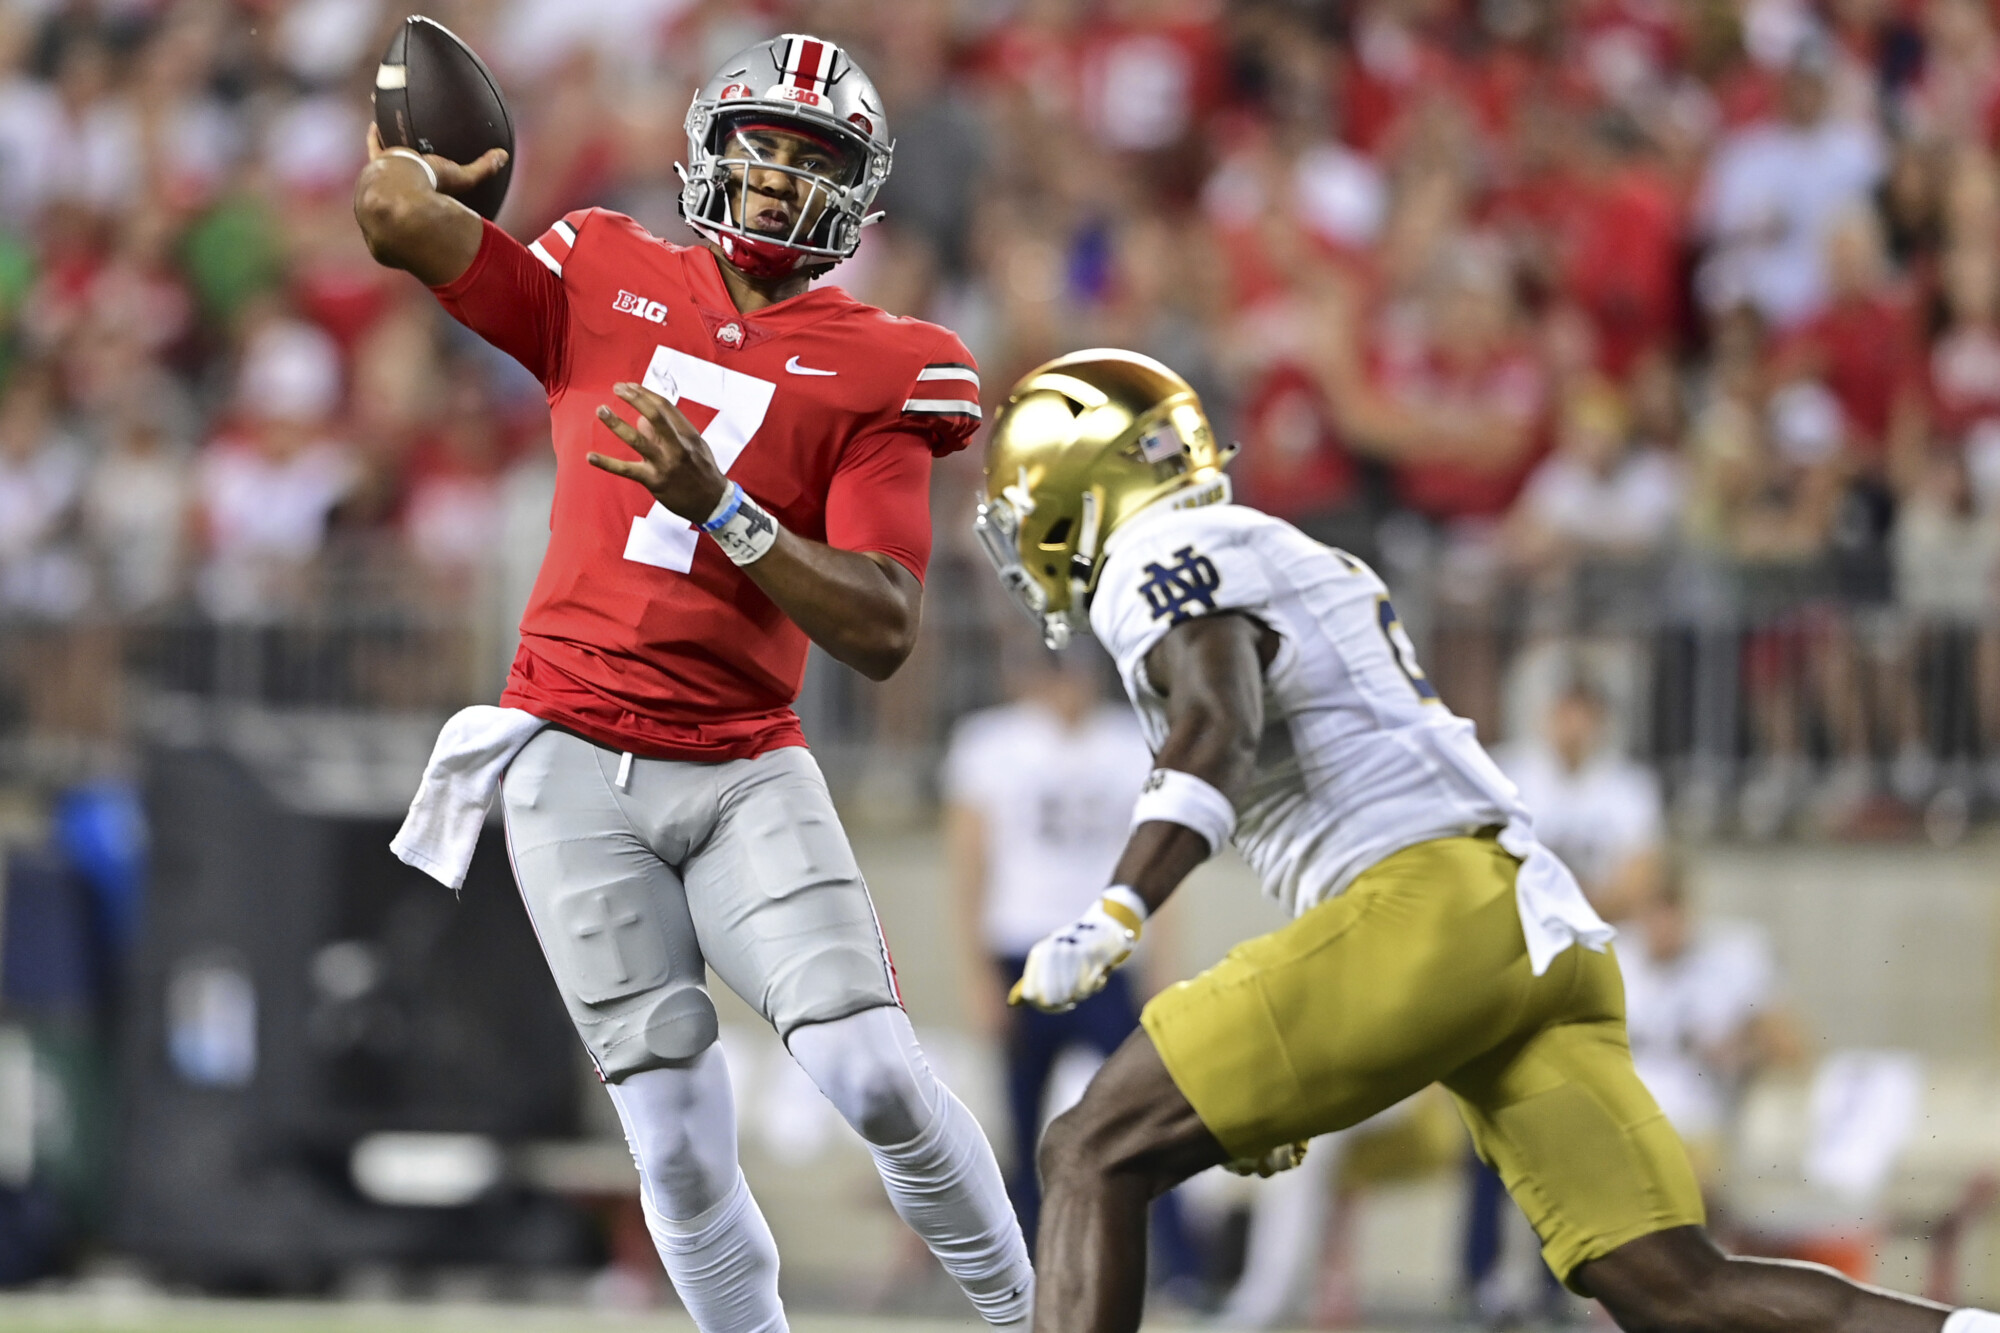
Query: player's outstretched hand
{"x":1074,"y":963}
{"x":454,"y":178}
{"x":674,"y":462}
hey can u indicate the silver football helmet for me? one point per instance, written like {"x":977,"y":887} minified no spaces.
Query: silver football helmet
{"x":807,"y":85}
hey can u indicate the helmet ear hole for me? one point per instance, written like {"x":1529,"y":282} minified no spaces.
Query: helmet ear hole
{"x":1057,"y":536}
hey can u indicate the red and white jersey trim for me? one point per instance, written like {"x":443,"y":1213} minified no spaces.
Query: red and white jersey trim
{"x":960,"y":377}
{"x":554,"y":246}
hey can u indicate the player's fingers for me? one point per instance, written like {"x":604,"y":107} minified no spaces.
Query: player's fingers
{"x":656,"y":414}
{"x":660,"y":410}
{"x":642,"y":444}
{"x":619,"y":467}
{"x":486,"y":164}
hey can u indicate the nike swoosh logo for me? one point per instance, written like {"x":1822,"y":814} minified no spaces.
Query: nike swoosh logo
{"x":797,"y":369}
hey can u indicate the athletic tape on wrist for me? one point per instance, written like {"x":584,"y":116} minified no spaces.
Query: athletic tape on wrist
{"x":430,"y":172}
{"x":1125,"y":907}
{"x":1174,"y":797}
{"x":741,"y":527}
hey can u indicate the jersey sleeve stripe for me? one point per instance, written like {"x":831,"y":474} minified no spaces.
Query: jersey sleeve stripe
{"x":538,"y":252}
{"x":564,"y":230}
{"x":957,"y":407}
{"x":948,"y":371}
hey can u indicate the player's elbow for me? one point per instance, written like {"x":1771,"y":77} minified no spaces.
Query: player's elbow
{"x":389,"y":219}
{"x":885,"y":649}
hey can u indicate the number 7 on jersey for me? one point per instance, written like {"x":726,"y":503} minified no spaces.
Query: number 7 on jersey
{"x":660,"y":537}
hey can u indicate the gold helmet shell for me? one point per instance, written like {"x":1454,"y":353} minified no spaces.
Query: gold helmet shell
{"x":1085,"y":442}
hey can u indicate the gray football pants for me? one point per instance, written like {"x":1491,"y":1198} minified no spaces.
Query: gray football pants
{"x":632,"y":888}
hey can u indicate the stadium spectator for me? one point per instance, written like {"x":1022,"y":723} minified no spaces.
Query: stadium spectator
{"x":138,"y":503}
{"x":1394,"y":245}
{"x":1704,"y":1014}
{"x":1602,"y":495}
{"x":1947,"y":558}
{"x":42,"y":574}
{"x":268,"y":484}
{"x":1595,"y":808}
{"x":1774,"y":191}
{"x":452,"y":514}
{"x":1787,"y":492}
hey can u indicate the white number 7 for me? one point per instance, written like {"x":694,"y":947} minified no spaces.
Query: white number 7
{"x":660,"y":537}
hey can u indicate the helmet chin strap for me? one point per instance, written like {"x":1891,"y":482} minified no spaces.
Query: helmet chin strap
{"x":758,"y":259}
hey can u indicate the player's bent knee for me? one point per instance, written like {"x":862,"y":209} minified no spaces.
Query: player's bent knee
{"x":1086,"y":1139}
{"x":1667,"y":1282}
{"x":1062,"y":1154}
{"x":867,"y":1065}
{"x":883,"y":1105}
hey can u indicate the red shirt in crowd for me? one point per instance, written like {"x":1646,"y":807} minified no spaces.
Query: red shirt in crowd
{"x":827,"y":411}
{"x":1869,"y":353}
{"x":1293,"y":464}
{"x":1511,"y":382}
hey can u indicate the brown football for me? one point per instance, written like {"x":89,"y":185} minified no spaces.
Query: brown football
{"x":434,"y":94}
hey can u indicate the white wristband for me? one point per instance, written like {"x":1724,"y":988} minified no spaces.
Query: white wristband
{"x":741,"y":528}
{"x":1173,"y":797}
{"x":430,"y":172}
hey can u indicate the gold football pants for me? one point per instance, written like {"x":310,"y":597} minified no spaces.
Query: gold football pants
{"x":1419,"y":974}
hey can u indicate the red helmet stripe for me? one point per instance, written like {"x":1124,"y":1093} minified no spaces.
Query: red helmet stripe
{"x":811,"y":54}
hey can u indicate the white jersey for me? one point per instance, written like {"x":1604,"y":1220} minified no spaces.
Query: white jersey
{"x":1678,"y":1011}
{"x":1359,"y":758}
{"x":1057,"y":805}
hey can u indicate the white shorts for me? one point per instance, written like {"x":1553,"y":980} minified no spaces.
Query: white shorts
{"x":740,"y":865}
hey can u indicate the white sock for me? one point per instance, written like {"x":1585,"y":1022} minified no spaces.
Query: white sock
{"x":717,"y":1248}
{"x":1972,"y":1321}
{"x":724,"y":1264}
{"x":935,"y":1162}
{"x":946,"y":1184}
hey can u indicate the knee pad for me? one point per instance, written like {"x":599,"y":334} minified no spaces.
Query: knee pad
{"x":870,"y":1067}
{"x":680,"y":1025}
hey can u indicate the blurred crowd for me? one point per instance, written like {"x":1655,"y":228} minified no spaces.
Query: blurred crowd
{"x":1584,"y":318}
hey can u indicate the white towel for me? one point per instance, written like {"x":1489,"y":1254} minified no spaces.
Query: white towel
{"x":472,"y":752}
{"x":1554,"y":912}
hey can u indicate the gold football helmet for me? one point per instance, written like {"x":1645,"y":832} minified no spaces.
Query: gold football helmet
{"x":1085,"y":442}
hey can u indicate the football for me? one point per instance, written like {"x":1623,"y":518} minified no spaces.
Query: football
{"x":434,"y":94}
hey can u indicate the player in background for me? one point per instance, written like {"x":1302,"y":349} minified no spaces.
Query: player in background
{"x":1433,"y":939}
{"x":742,"y":466}
{"x":1038,"y":795}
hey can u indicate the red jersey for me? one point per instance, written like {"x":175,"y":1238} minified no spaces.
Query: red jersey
{"x":827,"y":411}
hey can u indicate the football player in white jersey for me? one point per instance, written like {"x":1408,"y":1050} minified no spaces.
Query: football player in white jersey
{"x":1433,"y":938}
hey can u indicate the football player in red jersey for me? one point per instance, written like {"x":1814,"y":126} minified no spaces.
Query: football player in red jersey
{"x":661,"y":808}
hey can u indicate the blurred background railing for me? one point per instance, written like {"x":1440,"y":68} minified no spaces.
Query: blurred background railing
{"x":1760,"y":694}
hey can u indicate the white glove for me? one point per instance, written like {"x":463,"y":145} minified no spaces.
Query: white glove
{"x":1074,"y":963}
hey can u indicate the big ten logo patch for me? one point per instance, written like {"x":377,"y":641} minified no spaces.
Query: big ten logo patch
{"x":629,"y":304}
{"x":1183,"y":589}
